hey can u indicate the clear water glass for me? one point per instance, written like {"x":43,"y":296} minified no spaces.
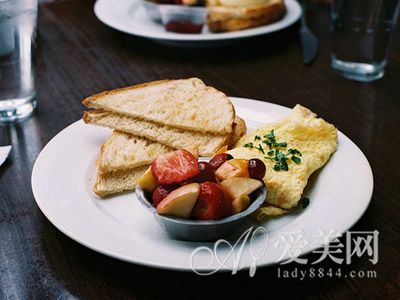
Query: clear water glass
{"x":17,"y":34}
{"x":361,"y":34}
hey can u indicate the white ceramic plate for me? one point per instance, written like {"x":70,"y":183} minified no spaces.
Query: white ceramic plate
{"x":130,"y":17}
{"x":121,"y":227}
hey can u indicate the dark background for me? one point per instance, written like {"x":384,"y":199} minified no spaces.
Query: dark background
{"x":77,"y":56}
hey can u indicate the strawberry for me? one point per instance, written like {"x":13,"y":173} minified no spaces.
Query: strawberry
{"x":211,"y":204}
{"x":175,"y":167}
{"x":161,"y":192}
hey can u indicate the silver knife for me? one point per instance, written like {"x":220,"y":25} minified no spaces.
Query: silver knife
{"x":308,"y":40}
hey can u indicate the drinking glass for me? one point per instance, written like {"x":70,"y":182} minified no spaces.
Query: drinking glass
{"x":361,"y":34}
{"x":17,"y":33}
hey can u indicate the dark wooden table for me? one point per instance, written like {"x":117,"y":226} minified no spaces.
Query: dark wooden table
{"x":77,"y":56}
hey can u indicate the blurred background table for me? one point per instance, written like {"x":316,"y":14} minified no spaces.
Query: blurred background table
{"x":77,"y":56}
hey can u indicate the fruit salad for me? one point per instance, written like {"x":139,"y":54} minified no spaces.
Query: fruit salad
{"x":181,"y":186}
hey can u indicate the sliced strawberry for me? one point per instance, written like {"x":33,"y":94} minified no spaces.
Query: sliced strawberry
{"x":160,"y":192}
{"x":211,"y":204}
{"x":175,"y":167}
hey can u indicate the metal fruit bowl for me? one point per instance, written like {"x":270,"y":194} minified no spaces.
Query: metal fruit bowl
{"x":198,"y":230}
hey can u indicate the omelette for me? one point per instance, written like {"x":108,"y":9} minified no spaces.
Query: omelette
{"x":292,"y":149}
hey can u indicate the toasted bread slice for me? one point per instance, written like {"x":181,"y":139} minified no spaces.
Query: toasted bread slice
{"x":124,"y":158}
{"x":222,"y":18}
{"x":123,"y":151}
{"x":117,"y":182}
{"x":187,"y":104}
{"x":170,"y":136}
{"x":239,"y":129}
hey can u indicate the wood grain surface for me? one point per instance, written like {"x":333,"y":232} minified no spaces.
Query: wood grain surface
{"x":77,"y":56}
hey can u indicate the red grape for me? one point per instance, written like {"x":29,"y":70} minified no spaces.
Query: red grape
{"x":207,"y":173}
{"x":219,"y":159}
{"x":256,"y":168}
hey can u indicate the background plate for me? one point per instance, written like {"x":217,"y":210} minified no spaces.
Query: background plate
{"x":121,"y":227}
{"x":130,"y":17}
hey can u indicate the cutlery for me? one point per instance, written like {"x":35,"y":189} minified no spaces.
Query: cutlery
{"x":309,"y":42}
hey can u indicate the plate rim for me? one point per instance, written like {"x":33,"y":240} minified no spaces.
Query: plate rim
{"x":295,"y":9}
{"x":166,"y":266}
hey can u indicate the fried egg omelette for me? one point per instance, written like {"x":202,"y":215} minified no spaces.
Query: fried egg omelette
{"x":315,"y":138}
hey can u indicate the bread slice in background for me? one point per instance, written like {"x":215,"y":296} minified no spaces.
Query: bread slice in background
{"x":186,"y":103}
{"x":223,"y":18}
{"x":117,"y":182}
{"x":173,"y":137}
{"x":123,"y":151}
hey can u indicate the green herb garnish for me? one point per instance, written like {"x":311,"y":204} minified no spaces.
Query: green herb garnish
{"x":260,"y":148}
{"x":305,"y":202}
{"x":296,"y":159}
{"x":294,"y":152}
{"x":284,"y":166}
{"x":280,"y":157}
{"x":280,"y":145}
{"x":270,"y":135}
{"x":271,"y":141}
